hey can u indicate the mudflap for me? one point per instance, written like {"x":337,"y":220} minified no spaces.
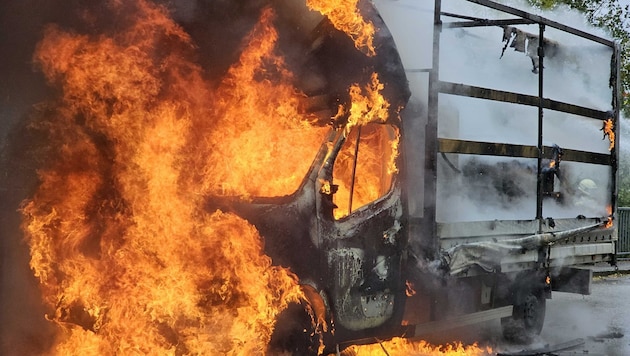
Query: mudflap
{"x":572,"y":280}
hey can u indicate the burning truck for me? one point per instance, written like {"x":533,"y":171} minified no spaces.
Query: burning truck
{"x":462,"y":176}
{"x":469,"y":197}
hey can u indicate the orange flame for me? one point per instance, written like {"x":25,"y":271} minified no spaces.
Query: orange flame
{"x":345,"y":16}
{"x":373,"y":174}
{"x":409,"y":291}
{"x":378,"y":147}
{"x":609,"y":221}
{"x":268,"y":163}
{"x":369,"y":107}
{"x":128,"y":259}
{"x":608,"y":131}
{"x":403,"y":347}
{"x":325,"y":189}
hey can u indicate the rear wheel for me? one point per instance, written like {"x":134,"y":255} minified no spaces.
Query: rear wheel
{"x":527,"y":318}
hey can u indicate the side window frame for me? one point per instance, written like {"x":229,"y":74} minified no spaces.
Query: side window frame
{"x":355,"y":147}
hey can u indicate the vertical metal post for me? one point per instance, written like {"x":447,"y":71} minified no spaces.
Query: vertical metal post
{"x":354,"y":169}
{"x":539,"y":186}
{"x":615,"y":83}
{"x":430,"y":241}
{"x":616,"y":106}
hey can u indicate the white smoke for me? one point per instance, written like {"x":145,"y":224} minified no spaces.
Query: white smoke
{"x":578,"y":73}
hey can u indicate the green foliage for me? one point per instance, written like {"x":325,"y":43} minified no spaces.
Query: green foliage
{"x":545,"y":4}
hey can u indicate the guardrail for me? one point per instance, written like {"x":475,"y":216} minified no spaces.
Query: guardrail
{"x":623,"y":229}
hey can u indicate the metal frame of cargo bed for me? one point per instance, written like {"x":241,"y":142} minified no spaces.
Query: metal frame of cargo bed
{"x":435,"y":145}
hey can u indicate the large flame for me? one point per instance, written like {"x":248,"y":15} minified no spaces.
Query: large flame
{"x":345,"y":16}
{"x":404,"y":347}
{"x":128,"y":260}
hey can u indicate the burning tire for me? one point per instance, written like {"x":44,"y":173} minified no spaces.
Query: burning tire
{"x":527,"y":317}
{"x":301,"y":328}
{"x":295,"y":332}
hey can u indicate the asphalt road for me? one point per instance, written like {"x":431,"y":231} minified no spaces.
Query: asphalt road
{"x":602,"y":319}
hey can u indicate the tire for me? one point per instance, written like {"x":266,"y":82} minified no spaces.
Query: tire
{"x":527,"y":318}
{"x":294,"y":333}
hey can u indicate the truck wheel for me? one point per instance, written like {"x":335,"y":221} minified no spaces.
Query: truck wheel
{"x":527,"y":317}
{"x":294,"y":333}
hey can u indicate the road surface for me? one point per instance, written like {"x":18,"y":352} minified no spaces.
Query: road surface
{"x":601,"y":320}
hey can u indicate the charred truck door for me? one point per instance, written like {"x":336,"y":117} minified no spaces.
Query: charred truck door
{"x":363,"y":245}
